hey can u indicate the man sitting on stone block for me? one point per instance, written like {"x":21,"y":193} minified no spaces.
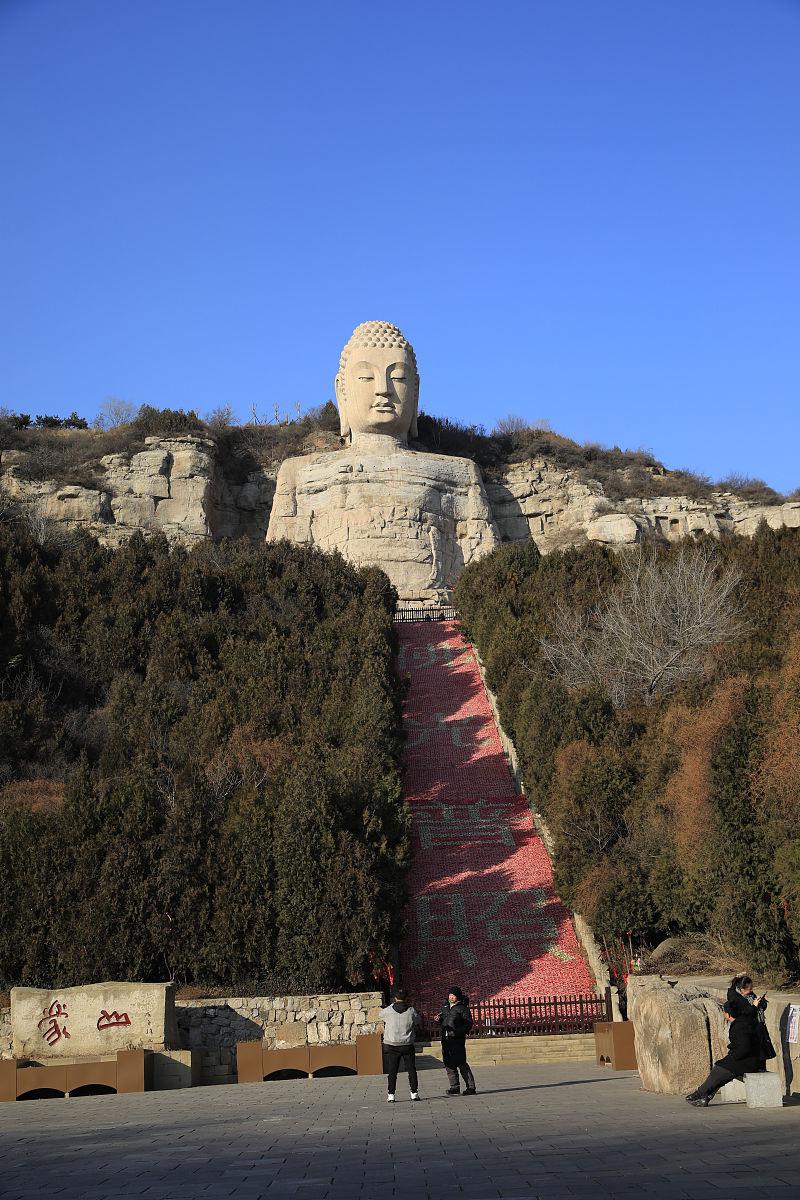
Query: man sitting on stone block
{"x":749,"y":1044}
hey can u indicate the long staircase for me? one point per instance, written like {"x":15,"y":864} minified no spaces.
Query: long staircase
{"x":483,"y":911}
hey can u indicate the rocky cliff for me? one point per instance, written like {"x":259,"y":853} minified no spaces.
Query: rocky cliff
{"x":175,"y":486}
{"x":178,"y":485}
{"x":557,"y":508}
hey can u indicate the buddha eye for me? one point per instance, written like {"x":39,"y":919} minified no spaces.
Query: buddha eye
{"x":365,"y":378}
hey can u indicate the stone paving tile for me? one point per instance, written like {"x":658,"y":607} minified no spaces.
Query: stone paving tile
{"x":560,"y":1132}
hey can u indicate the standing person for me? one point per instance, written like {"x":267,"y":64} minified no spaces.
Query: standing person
{"x":399,"y":1022}
{"x":749,"y":1043}
{"x":456,"y":1022}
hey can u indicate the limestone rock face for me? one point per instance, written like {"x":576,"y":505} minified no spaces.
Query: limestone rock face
{"x":614,"y":529}
{"x":169,"y":487}
{"x":679,"y":1031}
{"x":98,"y":1018}
{"x":539,"y":500}
{"x":420,"y":517}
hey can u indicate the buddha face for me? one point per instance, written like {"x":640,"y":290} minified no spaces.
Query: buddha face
{"x":378,"y":393}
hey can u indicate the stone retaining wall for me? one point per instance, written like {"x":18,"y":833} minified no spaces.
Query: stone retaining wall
{"x":214,"y":1026}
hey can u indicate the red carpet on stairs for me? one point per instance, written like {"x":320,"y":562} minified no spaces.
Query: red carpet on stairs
{"x":483,"y":913}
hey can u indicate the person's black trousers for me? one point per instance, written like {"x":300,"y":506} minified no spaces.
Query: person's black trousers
{"x":452,"y":1076}
{"x":393,"y":1056}
{"x":718,"y":1077}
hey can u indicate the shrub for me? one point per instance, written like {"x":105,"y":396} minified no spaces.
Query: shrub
{"x":223,"y":726}
{"x":754,"y":490}
{"x":677,"y":816}
{"x":154,"y":422}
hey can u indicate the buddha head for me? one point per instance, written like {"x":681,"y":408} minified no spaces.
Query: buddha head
{"x":377,"y":385}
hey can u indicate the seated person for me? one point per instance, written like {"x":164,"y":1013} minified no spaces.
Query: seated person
{"x":749,"y":1043}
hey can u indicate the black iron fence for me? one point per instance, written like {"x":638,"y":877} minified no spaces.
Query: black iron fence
{"x":425,"y":614}
{"x":524,"y":1016}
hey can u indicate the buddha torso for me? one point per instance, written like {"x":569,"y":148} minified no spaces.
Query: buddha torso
{"x":419,"y":517}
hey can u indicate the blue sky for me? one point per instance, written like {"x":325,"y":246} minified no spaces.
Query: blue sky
{"x":582,"y":210}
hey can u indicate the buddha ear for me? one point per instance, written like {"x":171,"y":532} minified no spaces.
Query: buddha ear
{"x":344,"y":424}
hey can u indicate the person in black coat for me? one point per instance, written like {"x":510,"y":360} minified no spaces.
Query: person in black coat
{"x":748,"y":1041}
{"x":455,"y":1023}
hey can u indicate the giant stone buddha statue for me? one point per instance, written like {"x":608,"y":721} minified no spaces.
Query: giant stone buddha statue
{"x":420,"y":517}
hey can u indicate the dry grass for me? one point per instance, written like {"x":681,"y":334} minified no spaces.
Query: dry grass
{"x":694,"y":954}
{"x":40,"y":795}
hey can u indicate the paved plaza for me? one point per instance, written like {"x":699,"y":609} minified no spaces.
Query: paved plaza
{"x":566,"y":1130}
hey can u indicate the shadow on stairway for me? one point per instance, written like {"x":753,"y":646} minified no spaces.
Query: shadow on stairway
{"x":482,"y":911}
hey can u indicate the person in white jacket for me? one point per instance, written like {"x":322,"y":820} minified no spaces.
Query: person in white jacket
{"x":399,"y":1025}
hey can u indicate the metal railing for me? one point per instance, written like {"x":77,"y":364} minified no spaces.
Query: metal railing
{"x":441,"y":613}
{"x":526,"y":1016}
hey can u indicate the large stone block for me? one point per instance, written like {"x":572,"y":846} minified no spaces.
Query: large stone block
{"x":290,"y":1035}
{"x":614,"y":529}
{"x":763,"y":1090}
{"x":731,"y":1093}
{"x":99,"y":1018}
{"x":672,"y":1031}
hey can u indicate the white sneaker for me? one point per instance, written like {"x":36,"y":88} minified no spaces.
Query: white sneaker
{"x":415,"y":1095}
{"x":390,"y":1097}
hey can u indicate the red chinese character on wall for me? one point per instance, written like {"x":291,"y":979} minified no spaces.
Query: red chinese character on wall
{"x":113,"y":1020}
{"x":54,"y":1031}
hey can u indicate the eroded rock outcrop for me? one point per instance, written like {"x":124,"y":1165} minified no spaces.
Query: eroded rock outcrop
{"x":174,"y":486}
{"x":556,"y":508}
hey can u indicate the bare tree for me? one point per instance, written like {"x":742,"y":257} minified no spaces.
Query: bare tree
{"x":652,"y":630}
{"x":516,"y":426}
{"x":114,"y":412}
{"x":220,"y":418}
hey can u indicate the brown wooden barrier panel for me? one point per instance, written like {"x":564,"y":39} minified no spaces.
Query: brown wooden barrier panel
{"x":92,"y":1074}
{"x":335,"y":1055}
{"x":248,"y":1062}
{"x":255,"y":1063}
{"x":369,"y":1053}
{"x":131,"y":1071}
{"x":134,"y":1070}
{"x":296,"y":1059}
{"x":8,"y":1079}
{"x":614,"y":1045}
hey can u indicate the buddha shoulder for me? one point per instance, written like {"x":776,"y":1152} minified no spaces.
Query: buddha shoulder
{"x":295,"y":469}
{"x":449,"y":466}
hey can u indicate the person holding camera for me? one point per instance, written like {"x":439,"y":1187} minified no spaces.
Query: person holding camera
{"x":455,"y":1023}
{"x":749,"y":1042}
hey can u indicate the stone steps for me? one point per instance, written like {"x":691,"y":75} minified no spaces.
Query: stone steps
{"x":504,"y":1051}
{"x":483,"y":910}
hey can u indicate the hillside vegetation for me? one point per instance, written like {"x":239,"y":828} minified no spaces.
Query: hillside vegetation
{"x":198,"y":765}
{"x":674,"y":810}
{"x":70,"y":452}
